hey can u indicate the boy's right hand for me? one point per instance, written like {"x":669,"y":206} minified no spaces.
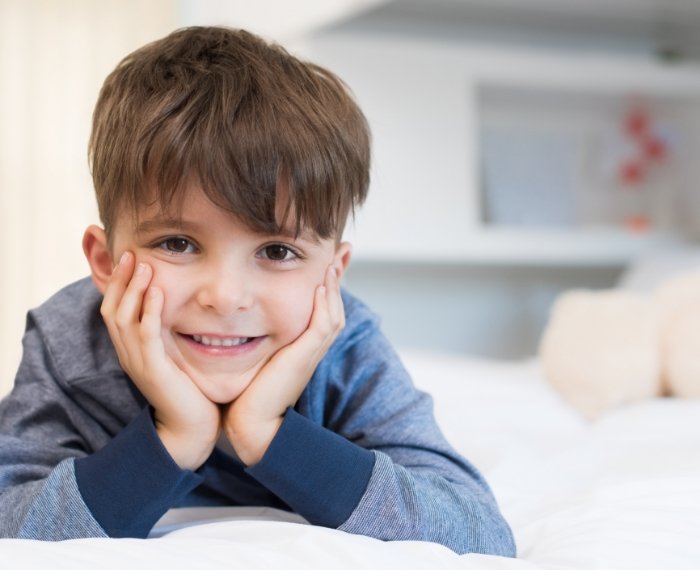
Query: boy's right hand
{"x":187,"y":422}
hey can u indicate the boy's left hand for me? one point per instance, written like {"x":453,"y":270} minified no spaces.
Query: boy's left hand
{"x":252,"y":420}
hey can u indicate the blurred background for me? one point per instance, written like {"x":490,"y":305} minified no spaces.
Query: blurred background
{"x":521,"y":147}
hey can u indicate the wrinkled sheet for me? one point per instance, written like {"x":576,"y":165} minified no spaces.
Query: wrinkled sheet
{"x":622,"y":492}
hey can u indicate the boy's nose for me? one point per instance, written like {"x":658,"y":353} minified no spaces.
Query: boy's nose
{"x":225,"y":292}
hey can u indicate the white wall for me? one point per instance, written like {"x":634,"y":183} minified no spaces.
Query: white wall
{"x":426,"y":259}
{"x":277,"y":20}
{"x":483,"y":310}
{"x":54,"y":56}
{"x":53,"y":59}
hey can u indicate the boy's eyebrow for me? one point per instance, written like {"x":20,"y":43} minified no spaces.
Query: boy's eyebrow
{"x":156,"y":224}
{"x":291,"y":233}
{"x":302,"y":234}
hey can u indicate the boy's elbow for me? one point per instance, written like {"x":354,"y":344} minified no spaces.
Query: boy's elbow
{"x":487,"y":533}
{"x":499,"y":540}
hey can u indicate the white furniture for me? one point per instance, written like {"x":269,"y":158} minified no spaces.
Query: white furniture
{"x":433,"y":105}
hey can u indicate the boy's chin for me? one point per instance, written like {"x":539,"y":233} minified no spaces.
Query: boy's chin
{"x":225,"y":389}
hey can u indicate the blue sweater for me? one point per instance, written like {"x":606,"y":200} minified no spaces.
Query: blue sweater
{"x":360,"y":451}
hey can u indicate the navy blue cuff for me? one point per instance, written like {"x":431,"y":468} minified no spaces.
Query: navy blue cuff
{"x":318,"y":473}
{"x":132,"y":481}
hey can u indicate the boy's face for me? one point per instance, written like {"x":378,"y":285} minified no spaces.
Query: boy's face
{"x":232,"y":297}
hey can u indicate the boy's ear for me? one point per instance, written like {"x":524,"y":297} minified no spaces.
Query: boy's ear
{"x":98,"y":255}
{"x":343,"y":253}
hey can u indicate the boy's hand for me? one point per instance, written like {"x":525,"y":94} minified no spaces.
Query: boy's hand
{"x":252,"y":420}
{"x":187,"y":422}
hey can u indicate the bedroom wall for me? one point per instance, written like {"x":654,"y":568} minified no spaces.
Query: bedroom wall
{"x":444,"y":281}
{"x":481,"y":310}
{"x":54,"y":56}
{"x":53,"y":59}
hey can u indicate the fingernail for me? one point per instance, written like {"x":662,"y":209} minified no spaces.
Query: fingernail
{"x":123,"y":258}
{"x":140,"y":268}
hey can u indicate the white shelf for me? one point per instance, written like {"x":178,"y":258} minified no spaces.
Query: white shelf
{"x":583,"y":73}
{"x":426,"y":203}
{"x":591,"y":247}
{"x":508,"y":66}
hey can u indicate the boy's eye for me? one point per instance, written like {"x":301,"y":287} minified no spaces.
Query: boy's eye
{"x":277,"y":252}
{"x":177,"y":245}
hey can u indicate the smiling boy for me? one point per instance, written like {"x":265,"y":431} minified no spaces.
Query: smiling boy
{"x":213,"y":358}
{"x":236,"y":298}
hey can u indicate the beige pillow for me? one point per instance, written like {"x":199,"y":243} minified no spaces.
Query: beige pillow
{"x":600,"y":349}
{"x":678,"y":302}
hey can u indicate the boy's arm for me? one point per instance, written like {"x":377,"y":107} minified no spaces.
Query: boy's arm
{"x":387,"y":471}
{"x":54,"y":486}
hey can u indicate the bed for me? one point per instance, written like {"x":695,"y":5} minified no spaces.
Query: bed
{"x":619,"y":492}
{"x":622,"y":492}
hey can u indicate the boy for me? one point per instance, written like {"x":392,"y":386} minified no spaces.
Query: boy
{"x":204,"y":363}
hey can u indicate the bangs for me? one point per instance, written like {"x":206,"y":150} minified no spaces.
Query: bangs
{"x":252,"y":126}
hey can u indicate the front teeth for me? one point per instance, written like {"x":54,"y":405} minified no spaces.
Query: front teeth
{"x":207,"y":341}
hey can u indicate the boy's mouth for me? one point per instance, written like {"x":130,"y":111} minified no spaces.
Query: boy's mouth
{"x":207,"y":340}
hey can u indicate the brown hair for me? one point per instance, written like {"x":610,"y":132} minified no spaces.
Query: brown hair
{"x":240,"y":117}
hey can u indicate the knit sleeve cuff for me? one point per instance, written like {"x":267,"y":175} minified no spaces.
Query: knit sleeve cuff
{"x":132,"y":481}
{"x":318,"y":473}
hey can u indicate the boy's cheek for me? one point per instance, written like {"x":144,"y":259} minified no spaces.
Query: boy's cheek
{"x":169,"y":345}
{"x":300,"y":312}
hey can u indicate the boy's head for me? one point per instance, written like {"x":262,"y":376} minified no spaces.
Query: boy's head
{"x":229,"y":168}
{"x":264,"y":134}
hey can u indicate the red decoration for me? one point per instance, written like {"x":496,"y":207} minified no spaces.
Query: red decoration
{"x":649,"y":148}
{"x":637,"y":123}
{"x":655,"y":149}
{"x":632,"y":173}
{"x":638,"y":224}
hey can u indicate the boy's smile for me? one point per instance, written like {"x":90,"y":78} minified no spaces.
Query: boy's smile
{"x":232,"y":297}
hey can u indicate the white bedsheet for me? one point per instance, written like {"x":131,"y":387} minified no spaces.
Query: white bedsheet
{"x":621,"y":493}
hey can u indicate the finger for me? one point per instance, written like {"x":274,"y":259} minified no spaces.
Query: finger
{"x":117,"y":285}
{"x":152,"y":349}
{"x":324,"y":327}
{"x":129,"y":311}
{"x":321,"y":323}
{"x":326,"y":318}
{"x":113,"y":296}
{"x":334,"y":299}
{"x":128,"y":316}
{"x":150,"y":328}
{"x":155,"y":355}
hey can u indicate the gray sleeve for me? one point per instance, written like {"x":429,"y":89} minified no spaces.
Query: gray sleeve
{"x":405,"y":504}
{"x":39,"y":497}
{"x":52,"y":509}
{"x":420,"y":487}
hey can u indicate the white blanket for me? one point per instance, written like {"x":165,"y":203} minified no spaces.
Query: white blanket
{"x":621,"y":493}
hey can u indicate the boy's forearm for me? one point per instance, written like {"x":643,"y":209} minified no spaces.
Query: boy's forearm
{"x":420,"y":504}
{"x":48,"y":509}
{"x":336,"y":483}
{"x":119,"y":491}
{"x":318,"y":473}
{"x":131,"y":482}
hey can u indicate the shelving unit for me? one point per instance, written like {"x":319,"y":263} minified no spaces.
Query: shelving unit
{"x":444,"y":267}
{"x":532,"y":247}
{"x":430,"y":103}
